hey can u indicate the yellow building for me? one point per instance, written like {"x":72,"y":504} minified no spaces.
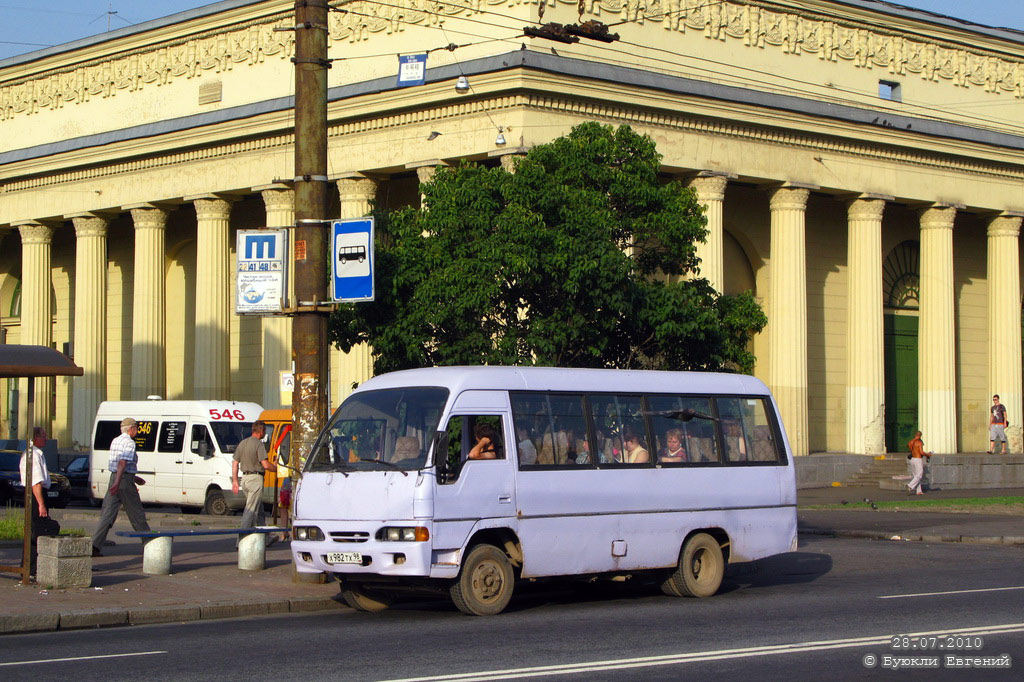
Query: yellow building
{"x":861,"y":164}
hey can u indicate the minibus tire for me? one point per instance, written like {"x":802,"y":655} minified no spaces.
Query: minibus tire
{"x":485,"y":583}
{"x":216,"y":505}
{"x":700,"y":570}
{"x":361,"y":600}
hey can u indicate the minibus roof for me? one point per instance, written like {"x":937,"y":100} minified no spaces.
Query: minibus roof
{"x":564,"y":379}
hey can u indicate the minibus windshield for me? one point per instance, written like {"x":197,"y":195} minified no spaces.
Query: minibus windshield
{"x":380,"y":431}
{"x":230,"y":434}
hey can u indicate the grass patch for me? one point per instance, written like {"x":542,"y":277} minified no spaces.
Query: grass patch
{"x":1003,"y":504}
{"x":12,"y":525}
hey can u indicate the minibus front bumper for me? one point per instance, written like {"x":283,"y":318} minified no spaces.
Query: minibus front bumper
{"x":357,"y":548}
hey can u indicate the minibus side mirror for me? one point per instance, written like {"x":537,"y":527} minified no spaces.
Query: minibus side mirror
{"x":441,"y":454}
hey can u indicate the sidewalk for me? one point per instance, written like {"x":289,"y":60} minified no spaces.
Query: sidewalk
{"x":987,"y":528}
{"x":205,"y":583}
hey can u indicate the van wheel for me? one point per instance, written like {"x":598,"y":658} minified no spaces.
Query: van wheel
{"x":216,"y":505}
{"x":700,"y":570}
{"x":484,"y":586}
{"x":363,"y":600}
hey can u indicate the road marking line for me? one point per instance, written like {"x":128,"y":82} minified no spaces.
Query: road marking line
{"x":83,"y":658}
{"x":724,"y":654}
{"x":934,"y":594}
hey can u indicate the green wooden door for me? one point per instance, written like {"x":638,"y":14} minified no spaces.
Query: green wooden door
{"x":900,"y":381}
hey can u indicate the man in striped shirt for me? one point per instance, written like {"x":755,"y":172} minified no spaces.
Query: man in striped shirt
{"x":122,"y":490}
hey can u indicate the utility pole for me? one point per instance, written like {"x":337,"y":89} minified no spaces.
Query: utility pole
{"x":309,"y":322}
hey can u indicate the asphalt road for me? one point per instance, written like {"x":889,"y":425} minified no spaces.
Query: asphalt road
{"x":813,"y":614}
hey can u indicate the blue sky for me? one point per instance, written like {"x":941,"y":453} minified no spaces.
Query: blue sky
{"x":27,"y":25}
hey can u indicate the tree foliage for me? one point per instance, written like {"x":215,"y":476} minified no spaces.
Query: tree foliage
{"x":582,"y":257}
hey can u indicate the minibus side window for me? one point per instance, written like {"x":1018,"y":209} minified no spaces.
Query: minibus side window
{"x":172,"y":437}
{"x":551,"y":429}
{"x":106,"y":432}
{"x":684,"y":429}
{"x":477,"y":437}
{"x":202,"y":443}
{"x":746,"y":431}
{"x":620,"y":430}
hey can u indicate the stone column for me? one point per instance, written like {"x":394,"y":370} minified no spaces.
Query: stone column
{"x":936,"y":337}
{"x":425,"y":171}
{"x":149,"y":352}
{"x":36,"y":312}
{"x":355,"y":192}
{"x":213,"y":300}
{"x":90,"y":345}
{"x":1004,"y":337}
{"x":710,"y":188}
{"x":279,"y":201}
{"x":865,"y":354}
{"x":787,"y":326}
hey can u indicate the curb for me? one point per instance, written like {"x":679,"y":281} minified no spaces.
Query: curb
{"x":1013,"y":540}
{"x":113,"y":617}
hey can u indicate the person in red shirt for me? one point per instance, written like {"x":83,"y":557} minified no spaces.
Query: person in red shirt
{"x":917,"y":457}
{"x":997,"y":426}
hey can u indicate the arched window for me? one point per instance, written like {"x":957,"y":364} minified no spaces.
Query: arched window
{"x":901,"y":277}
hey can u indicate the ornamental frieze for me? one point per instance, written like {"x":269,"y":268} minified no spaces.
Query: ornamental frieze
{"x":756,"y":24}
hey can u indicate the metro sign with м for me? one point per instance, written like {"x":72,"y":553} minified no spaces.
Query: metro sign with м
{"x":352,"y":260}
{"x":261,"y":284}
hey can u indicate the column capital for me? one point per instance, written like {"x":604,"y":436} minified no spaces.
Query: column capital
{"x":790,"y":197}
{"x":90,"y":225}
{"x":937,"y":217}
{"x":212,"y":206}
{"x":149,"y":217}
{"x":357,"y":188}
{"x":1005,"y":226}
{"x":709,"y":186}
{"x":278,"y":197}
{"x":865,"y":208}
{"x":35,"y":233}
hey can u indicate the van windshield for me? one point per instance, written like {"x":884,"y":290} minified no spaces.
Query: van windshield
{"x":230,"y":434}
{"x":380,"y":430}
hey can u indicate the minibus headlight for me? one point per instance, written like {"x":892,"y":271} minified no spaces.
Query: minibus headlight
{"x":308,"y":533}
{"x":396,"y":534}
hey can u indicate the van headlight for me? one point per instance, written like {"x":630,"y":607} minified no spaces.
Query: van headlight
{"x":397,"y":534}
{"x":307,"y":533}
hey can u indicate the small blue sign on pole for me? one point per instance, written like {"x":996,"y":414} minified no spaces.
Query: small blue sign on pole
{"x":412,"y":69}
{"x":352,"y":260}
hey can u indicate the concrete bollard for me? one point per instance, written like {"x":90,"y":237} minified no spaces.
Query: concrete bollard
{"x":64,"y":562}
{"x":156,"y":555}
{"x":252,"y":552}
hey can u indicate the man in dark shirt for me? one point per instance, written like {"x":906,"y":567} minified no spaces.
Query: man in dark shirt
{"x":997,"y":426}
{"x":251,"y":457}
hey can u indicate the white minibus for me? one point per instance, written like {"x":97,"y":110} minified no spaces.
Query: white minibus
{"x":467,"y":479}
{"x":185,"y":450}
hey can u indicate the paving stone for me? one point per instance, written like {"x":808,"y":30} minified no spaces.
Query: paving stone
{"x":163,"y":614}
{"x":28,"y":622}
{"x":93,"y":618}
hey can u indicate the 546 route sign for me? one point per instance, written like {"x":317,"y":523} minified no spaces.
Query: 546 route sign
{"x":352,"y":260}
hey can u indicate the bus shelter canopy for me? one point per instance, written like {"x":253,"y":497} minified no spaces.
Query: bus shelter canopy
{"x":35,"y":361}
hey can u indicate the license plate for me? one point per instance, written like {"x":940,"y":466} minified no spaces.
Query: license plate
{"x":344,"y":558}
{"x":52,"y":493}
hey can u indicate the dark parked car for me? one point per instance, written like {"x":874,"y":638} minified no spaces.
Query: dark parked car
{"x":13,"y":493}
{"x":77,"y":472}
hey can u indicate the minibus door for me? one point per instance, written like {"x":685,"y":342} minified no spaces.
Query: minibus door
{"x":473,"y":490}
{"x":169,"y":461}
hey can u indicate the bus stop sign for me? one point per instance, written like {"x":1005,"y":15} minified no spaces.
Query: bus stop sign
{"x":352,"y":260}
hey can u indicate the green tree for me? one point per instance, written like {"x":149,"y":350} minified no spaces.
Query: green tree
{"x":576,"y":259}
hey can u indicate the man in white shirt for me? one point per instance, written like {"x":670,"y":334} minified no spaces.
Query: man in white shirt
{"x":42,"y":524}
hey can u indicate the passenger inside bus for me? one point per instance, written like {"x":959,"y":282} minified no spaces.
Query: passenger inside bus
{"x":634,"y":452}
{"x":674,"y":450}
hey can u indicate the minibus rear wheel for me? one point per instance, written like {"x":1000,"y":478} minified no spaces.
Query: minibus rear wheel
{"x":700,"y":570}
{"x":362,"y":600}
{"x":484,"y":586}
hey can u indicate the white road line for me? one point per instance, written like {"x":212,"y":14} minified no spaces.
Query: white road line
{"x":724,"y":654}
{"x":934,"y":594}
{"x":83,"y":658}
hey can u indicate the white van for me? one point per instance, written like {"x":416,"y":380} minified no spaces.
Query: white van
{"x":185,"y":450}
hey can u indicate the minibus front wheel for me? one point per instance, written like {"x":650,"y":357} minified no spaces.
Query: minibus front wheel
{"x":484,"y":586}
{"x":363,"y":600}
